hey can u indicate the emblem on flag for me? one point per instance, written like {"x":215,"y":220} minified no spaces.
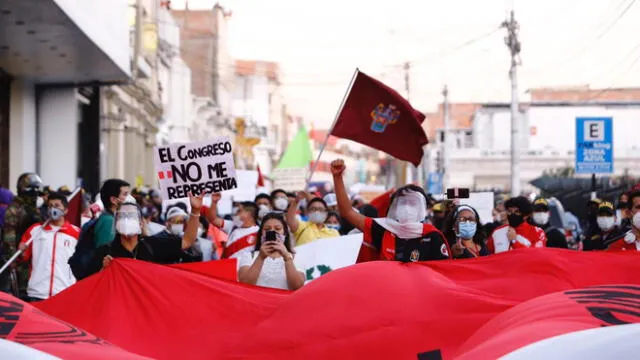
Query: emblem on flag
{"x":415,"y":255}
{"x":383,"y":116}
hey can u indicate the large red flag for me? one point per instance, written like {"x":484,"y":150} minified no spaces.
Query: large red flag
{"x":74,"y":214}
{"x":475,"y":308}
{"x":22,"y":323}
{"x":377,"y":116}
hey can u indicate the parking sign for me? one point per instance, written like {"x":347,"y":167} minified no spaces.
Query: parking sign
{"x":594,"y":145}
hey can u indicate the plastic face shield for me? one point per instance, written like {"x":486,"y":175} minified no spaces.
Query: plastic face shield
{"x":128,"y":212}
{"x":411,"y":206}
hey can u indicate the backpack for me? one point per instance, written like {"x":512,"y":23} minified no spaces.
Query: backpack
{"x":80,"y":261}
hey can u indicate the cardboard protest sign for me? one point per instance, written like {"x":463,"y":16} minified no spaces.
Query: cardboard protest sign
{"x":290,"y":179}
{"x":199,"y":167}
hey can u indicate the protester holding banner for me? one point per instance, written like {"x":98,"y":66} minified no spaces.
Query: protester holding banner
{"x":402,"y":235}
{"x":48,"y":253}
{"x":313,"y":229}
{"x":469,"y":239}
{"x":129,"y":243}
{"x":519,"y":233}
{"x":271,"y":262}
{"x":242,"y":230}
{"x":631,"y":240}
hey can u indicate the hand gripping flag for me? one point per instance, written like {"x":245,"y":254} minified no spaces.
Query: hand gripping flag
{"x":375,"y":115}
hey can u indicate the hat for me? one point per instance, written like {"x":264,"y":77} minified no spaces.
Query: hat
{"x":439,"y":207}
{"x":606,"y":208}
{"x":540,"y":204}
{"x":154,"y":193}
{"x":175,"y":211}
{"x":331,"y":199}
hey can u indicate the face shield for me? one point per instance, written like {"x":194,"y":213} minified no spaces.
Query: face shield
{"x":127,"y":220}
{"x":410,"y":207}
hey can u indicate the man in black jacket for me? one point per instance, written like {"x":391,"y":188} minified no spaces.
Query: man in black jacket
{"x":541,"y":216}
{"x":608,"y":232}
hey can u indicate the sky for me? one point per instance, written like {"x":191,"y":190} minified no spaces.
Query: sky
{"x":318,"y":44}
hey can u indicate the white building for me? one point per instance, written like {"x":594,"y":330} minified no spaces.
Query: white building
{"x":481,"y":158}
{"x":259,"y":100}
{"x":54,"y":55}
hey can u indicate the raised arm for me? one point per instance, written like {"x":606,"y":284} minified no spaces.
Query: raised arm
{"x":191,"y":230}
{"x":344,"y":205}
{"x":292,"y":219}
{"x":212,"y":214}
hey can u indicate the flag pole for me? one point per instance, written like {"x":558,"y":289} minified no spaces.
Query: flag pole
{"x":335,"y":120}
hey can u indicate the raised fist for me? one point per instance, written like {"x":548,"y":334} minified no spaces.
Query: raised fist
{"x":337,"y":167}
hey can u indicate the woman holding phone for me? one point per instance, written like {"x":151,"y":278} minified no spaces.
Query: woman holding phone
{"x":271,"y":262}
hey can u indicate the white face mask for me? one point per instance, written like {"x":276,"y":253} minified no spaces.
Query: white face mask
{"x":128,"y":227}
{"x":237,"y":222}
{"x":406,"y":214}
{"x":177,"y":229}
{"x":39,"y":202}
{"x":636,"y":220}
{"x":606,"y":223}
{"x":281,"y":203}
{"x":541,"y":218}
{"x":318,"y":217}
{"x":264,"y":210}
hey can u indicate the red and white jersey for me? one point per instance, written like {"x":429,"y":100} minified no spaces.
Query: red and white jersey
{"x":49,"y":253}
{"x":240,"y":240}
{"x":527,"y":235}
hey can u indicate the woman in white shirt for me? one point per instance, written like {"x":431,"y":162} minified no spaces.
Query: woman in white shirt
{"x":271,"y":262}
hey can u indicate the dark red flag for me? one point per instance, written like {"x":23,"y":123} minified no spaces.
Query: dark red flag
{"x":377,"y":116}
{"x":75,"y":207}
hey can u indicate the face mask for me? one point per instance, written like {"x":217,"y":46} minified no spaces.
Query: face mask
{"x":605,"y":223}
{"x":515,"y":220}
{"x":622,"y":205}
{"x":636,"y":220}
{"x":128,"y":227}
{"x":406,"y":214}
{"x":130,"y":199}
{"x":55,"y":214}
{"x":467,"y":229}
{"x":541,"y":218}
{"x":335,"y":227}
{"x":176,"y":229}
{"x":318,"y":217}
{"x":39,"y":202}
{"x":264,"y":210}
{"x":237,"y":222}
{"x":281,"y":203}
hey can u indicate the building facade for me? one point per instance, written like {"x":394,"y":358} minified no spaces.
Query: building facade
{"x":54,"y":57}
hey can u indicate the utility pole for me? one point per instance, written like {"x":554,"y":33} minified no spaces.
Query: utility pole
{"x":512,"y":42}
{"x":403,"y":165}
{"x":137,"y":41}
{"x":446,"y":151}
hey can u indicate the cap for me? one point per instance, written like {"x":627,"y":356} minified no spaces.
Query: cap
{"x":154,"y":193}
{"x":594,"y":201}
{"x":540,"y":204}
{"x":331,"y":199}
{"x":176,"y":211}
{"x":607,"y":208}
{"x":438,"y":207}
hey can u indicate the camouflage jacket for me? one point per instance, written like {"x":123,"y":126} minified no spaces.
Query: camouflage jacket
{"x":20,"y":215}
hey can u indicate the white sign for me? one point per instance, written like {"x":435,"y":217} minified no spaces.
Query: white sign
{"x":322,"y":256}
{"x":247,"y":185}
{"x":293,"y":179}
{"x":483,"y":203}
{"x":200,"y":167}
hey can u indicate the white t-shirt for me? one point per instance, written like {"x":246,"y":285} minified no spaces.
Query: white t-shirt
{"x":247,"y":237}
{"x":272,"y":275}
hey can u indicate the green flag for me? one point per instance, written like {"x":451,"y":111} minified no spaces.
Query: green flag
{"x":298,"y":153}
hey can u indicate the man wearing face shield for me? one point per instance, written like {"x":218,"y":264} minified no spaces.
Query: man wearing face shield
{"x":130,"y":243}
{"x":609,"y":231}
{"x":403,"y":235}
{"x":19,"y":216}
{"x":541,"y":215}
{"x":518,"y":233}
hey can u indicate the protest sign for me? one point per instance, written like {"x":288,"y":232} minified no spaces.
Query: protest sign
{"x":321,"y":256}
{"x":290,"y":179}
{"x":199,"y":167}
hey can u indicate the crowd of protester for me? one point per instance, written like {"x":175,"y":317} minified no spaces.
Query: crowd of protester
{"x":263,"y":234}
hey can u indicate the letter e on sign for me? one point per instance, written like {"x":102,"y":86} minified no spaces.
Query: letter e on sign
{"x":594,"y":130}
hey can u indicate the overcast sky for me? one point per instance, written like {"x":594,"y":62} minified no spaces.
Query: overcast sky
{"x":319,"y":44}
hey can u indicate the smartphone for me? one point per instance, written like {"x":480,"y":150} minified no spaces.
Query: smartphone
{"x":270,"y":236}
{"x":457,"y":193}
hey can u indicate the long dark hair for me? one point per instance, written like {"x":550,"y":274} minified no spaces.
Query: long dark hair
{"x":287,"y":236}
{"x":450,"y":223}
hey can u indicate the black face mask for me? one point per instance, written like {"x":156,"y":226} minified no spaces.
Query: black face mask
{"x":515,"y":220}
{"x":622,"y":205}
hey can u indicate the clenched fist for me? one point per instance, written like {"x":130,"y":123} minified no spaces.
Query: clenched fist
{"x":337,"y":167}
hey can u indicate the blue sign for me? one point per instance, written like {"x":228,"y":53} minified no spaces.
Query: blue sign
{"x":594,"y":145}
{"x":434,"y":183}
